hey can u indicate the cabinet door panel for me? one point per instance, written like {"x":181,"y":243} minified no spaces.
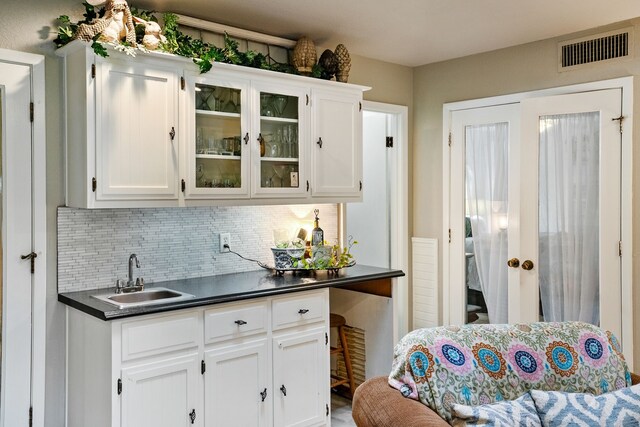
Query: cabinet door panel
{"x":300,"y":378}
{"x":161,"y":394}
{"x":336,"y":145}
{"x":136,"y":111}
{"x":280,"y":122}
{"x":217,"y":137}
{"x":235,"y":378}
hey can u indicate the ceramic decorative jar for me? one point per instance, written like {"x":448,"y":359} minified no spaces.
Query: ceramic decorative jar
{"x":329,"y":64}
{"x":284,"y":258}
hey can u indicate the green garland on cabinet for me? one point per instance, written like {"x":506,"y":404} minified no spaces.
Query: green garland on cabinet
{"x":203,"y":54}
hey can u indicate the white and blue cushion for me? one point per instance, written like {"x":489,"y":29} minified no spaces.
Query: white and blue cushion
{"x":519,"y":412}
{"x":616,"y":409}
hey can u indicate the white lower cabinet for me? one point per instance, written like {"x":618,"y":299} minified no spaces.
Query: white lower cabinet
{"x":262,"y":362}
{"x":299,"y":379}
{"x":236,"y":385}
{"x":162,"y":394}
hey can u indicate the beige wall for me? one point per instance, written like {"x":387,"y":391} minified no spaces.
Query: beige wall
{"x":518,"y":69}
{"x":29,"y":26}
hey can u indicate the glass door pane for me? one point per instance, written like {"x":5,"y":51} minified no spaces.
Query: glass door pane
{"x":486,"y":215}
{"x":218,"y":137}
{"x":279,"y":143}
{"x":568,"y":227}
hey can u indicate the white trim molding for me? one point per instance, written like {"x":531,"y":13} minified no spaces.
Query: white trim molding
{"x":399,"y":208}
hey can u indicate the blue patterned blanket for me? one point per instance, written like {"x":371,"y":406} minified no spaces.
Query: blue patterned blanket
{"x":478,"y":364}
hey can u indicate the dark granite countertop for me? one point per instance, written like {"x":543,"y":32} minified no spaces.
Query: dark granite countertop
{"x":226,"y":288}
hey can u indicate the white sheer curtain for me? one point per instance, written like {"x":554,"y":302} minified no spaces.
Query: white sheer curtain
{"x":568,"y":220}
{"x":487,"y":204}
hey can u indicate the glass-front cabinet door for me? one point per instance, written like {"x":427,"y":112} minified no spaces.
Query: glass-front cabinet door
{"x":280,"y":123}
{"x":217,"y":138}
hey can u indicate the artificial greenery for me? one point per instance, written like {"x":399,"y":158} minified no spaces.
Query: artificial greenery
{"x":336,"y":258}
{"x":203,"y":54}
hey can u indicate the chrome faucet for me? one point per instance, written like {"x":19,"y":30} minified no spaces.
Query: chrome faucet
{"x":130,"y":286}
{"x":132,"y":257}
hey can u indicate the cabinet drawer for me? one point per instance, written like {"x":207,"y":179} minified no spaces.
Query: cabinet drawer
{"x":143,"y":338}
{"x":235,"y":321}
{"x":298,"y":310}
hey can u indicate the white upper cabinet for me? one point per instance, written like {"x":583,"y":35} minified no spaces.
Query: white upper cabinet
{"x":122,"y":129}
{"x":136,"y":131}
{"x":217,"y":136}
{"x":152,"y":131}
{"x":336,"y":144}
{"x":281,"y":122}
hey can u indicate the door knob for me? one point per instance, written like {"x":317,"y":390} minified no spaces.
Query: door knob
{"x":527,"y":265}
{"x":513,"y":263}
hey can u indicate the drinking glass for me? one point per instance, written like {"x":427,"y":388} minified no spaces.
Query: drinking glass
{"x":279,"y":104}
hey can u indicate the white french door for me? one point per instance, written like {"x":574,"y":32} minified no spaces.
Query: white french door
{"x":535,"y":211}
{"x":484,"y":146}
{"x":16,"y":230}
{"x":570,"y":193}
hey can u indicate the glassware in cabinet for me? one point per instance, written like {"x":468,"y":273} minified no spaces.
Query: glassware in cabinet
{"x":218,"y":140}
{"x":279,"y":140}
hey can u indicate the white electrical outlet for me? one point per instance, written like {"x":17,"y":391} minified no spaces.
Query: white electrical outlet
{"x":225,"y":239}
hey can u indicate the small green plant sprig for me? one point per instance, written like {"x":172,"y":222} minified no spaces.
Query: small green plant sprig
{"x":337,"y":258}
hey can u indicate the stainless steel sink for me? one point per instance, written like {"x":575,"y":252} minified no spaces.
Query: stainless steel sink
{"x":146,"y":297}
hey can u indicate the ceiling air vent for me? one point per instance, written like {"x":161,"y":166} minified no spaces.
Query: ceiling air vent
{"x":595,"y":48}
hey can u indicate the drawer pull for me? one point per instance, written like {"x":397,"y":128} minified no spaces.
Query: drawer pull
{"x":192,"y":416}
{"x":263,"y":394}
{"x":240,"y":322}
{"x":283,"y":389}
{"x":303,"y":311}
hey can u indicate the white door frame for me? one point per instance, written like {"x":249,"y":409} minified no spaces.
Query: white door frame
{"x":398,"y":212}
{"x":626,"y":84}
{"x":39,"y":244}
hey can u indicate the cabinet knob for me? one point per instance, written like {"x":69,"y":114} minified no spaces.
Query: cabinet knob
{"x":283,"y":389}
{"x":513,"y":263}
{"x":172,"y":133}
{"x":240,"y":322}
{"x":246,"y":138}
{"x":303,"y":311}
{"x":192,"y":416}
{"x":319,"y":142}
{"x":263,"y":394}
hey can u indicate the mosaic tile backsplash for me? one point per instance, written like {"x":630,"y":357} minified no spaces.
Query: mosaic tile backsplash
{"x":173,"y":243}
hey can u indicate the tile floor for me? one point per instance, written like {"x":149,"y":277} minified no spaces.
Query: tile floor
{"x":341,"y":412}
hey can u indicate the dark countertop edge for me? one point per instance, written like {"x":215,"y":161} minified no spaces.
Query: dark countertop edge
{"x":116,"y":313}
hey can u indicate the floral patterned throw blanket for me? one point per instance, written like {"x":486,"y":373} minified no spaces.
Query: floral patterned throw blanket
{"x":478,"y":364}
